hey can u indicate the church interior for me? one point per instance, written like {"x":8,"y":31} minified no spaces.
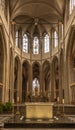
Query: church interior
{"x":37,"y":61}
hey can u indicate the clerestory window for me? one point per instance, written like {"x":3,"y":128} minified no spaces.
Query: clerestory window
{"x":71,"y":6}
{"x":35,"y":45}
{"x":25,"y":43}
{"x":55,"y":39}
{"x":46,"y":43}
{"x":17,"y":39}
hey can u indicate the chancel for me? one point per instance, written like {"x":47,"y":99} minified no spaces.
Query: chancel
{"x":37,"y":59}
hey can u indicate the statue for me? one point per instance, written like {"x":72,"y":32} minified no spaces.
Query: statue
{"x":36,"y":91}
{"x":36,"y":94}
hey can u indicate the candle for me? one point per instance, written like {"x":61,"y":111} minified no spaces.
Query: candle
{"x":63,"y":101}
{"x":13,"y":101}
{"x":58,"y":99}
{"x":17,"y":99}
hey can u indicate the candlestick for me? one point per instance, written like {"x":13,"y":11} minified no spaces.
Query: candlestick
{"x":63,"y":109}
{"x":13,"y":108}
{"x":63,"y":93}
{"x":17,"y":113}
{"x":58,"y":107}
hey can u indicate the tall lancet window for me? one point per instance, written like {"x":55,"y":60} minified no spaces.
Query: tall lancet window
{"x":25,"y":43}
{"x":71,"y":5}
{"x":55,"y":39}
{"x":17,"y":39}
{"x":35,"y":45}
{"x":46,"y":43}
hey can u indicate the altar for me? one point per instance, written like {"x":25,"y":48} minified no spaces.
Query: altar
{"x":36,"y":110}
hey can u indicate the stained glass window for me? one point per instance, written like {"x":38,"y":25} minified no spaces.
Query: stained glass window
{"x":35,"y":45}
{"x":55,"y":39}
{"x":25,"y":43}
{"x":17,"y":39}
{"x":71,"y":5}
{"x":46,"y":43}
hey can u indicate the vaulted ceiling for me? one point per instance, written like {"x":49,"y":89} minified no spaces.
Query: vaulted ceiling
{"x":37,"y":11}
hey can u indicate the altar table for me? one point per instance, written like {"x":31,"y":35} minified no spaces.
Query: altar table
{"x":39,"y":110}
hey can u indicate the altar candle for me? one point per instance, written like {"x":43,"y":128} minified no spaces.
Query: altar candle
{"x":62,"y":101}
{"x":58,"y":99}
{"x":17,"y":99}
{"x":13,"y":101}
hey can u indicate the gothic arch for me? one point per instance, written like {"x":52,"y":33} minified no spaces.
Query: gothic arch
{"x":25,"y":79}
{"x":25,"y":61}
{"x":70,"y":59}
{"x":36,"y":70}
{"x":46,"y":75}
{"x":55,"y":76}
{"x":35,"y":76}
{"x":70,"y":53}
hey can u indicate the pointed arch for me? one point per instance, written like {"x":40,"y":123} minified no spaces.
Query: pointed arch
{"x":70,"y":59}
{"x":25,"y":79}
{"x":36,"y":78}
{"x":55,"y":74}
{"x":46,"y":75}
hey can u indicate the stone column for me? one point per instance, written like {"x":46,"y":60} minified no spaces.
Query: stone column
{"x":60,"y":80}
{"x":43,"y":80}
{"x":30,"y":69}
{"x":20,"y":39}
{"x":52,"y":82}
{"x":59,"y":66}
{"x":30,"y":78}
{"x":20,"y":83}
{"x":12,"y":77}
{"x":19,"y":80}
{"x":41,"y":85}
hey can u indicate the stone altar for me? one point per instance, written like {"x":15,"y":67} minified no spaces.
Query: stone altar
{"x":38,"y":110}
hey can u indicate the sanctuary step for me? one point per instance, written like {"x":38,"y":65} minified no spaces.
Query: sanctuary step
{"x":65,"y":122}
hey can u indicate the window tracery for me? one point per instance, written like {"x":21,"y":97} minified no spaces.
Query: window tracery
{"x":25,"y":43}
{"x":55,"y":39}
{"x":35,"y":45}
{"x":71,"y":6}
{"x":46,"y":43}
{"x":17,"y":38}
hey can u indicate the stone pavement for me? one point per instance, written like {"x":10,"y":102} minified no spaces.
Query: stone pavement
{"x":4,"y":118}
